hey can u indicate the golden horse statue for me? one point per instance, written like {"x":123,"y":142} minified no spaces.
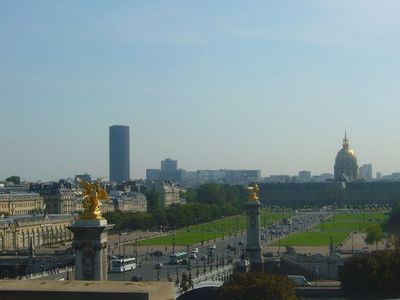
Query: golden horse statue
{"x":92,"y":194}
{"x":253,"y":192}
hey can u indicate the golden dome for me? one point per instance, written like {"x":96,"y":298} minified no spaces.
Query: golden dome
{"x":346,"y":162}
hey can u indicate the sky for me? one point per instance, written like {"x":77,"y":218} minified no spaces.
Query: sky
{"x":269,"y":85}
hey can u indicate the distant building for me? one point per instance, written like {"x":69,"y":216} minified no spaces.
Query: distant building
{"x":85,"y":177}
{"x":128,"y":201}
{"x":16,"y":232}
{"x":59,"y":197}
{"x":224,"y":176}
{"x":378,"y":175}
{"x":17,"y":204}
{"x":119,"y":153}
{"x":329,"y":193}
{"x":153,"y":174}
{"x":169,"y":171}
{"x":365,"y":172}
{"x":278,"y":179}
{"x":167,"y":191}
{"x":169,"y":165}
{"x":304,"y":176}
{"x":346,"y":163}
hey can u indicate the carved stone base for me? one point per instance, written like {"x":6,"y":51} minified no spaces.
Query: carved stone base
{"x":90,"y":245}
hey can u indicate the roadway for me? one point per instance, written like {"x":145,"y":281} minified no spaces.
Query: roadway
{"x":146,"y":263}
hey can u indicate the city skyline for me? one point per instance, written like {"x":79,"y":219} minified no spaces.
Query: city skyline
{"x":271,"y":86}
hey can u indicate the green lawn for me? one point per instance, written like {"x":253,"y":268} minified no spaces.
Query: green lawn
{"x":313,"y":238}
{"x":337,"y":227}
{"x":222,"y":227}
{"x":352,"y":222}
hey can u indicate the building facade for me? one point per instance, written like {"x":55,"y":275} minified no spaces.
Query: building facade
{"x":129,"y":201}
{"x":329,"y":193}
{"x":16,"y":232}
{"x":119,"y":153}
{"x":59,"y":197}
{"x":167,"y":191}
{"x":365,"y":172}
{"x":17,"y":204}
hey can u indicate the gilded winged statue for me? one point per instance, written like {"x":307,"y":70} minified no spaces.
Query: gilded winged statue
{"x":253,"y":192}
{"x":92,"y":194}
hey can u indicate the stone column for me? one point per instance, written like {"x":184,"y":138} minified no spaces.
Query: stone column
{"x":253,"y":246}
{"x":90,"y":245}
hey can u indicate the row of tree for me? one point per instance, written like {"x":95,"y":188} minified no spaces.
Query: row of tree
{"x":375,"y":274}
{"x":204,"y":204}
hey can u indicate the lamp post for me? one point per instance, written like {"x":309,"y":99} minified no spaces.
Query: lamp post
{"x":214,"y":233}
{"x":119,"y":244}
{"x":173,"y":243}
{"x":158,"y":267}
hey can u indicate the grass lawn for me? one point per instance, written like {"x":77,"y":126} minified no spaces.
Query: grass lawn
{"x":222,"y":227}
{"x":352,"y":222}
{"x":313,"y":238}
{"x":338,"y":227}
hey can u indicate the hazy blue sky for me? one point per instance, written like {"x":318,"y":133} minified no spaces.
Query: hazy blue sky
{"x":267,"y":85}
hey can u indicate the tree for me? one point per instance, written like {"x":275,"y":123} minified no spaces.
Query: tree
{"x":153,"y":201}
{"x":257,"y":286}
{"x":392,"y":226}
{"x":14,"y":179}
{"x":374,"y":235}
{"x":374,"y":274}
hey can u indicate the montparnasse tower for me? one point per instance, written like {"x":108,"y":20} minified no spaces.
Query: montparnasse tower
{"x":346,"y":162}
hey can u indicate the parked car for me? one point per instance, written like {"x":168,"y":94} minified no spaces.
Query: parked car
{"x":193,"y":256}
{"x":156,"y":253}
{"x":159,"y":266}
{"x":299,"y":280}
{"x":137,"y":277}
{"x":195,"y":250}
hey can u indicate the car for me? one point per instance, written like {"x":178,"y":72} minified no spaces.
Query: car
{"x":156,"y":253}
{"x":193,"y":256}
{"x":204,"y":257}
{"x":137,"y":277}
{"x":195,"y":250}
{"x":241,"y":243}
{"x":229,"y":247}
{"x":299,"y":280}
{"x":158,"y":266}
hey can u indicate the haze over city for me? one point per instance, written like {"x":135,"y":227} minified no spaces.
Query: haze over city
{"x":269,"y":86}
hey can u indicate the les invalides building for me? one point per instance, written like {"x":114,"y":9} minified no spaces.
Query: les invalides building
{"x":346,"y":166}
{"x":345,"y":189}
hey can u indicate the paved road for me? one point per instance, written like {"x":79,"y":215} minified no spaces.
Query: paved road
{"x":146,"y":263}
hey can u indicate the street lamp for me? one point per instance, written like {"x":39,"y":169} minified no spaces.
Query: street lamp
{"x":173,"y":243}
{"x":197,"y":267}
{"x":119,"y":244}
{"x":214,"y":232}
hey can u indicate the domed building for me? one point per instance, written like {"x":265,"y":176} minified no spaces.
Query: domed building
{"x":346,"y":162}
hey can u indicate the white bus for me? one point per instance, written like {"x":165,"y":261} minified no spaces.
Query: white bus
{"x":176,"y":258}
{"x":123,"y":264}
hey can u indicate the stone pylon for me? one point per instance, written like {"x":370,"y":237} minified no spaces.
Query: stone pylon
{"x":90,"y":245}
{"x":253,"y":246}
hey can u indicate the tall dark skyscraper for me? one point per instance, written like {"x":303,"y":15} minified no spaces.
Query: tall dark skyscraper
{"x":119,"y":153}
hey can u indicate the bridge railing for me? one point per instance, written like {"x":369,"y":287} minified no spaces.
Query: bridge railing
{"x":219,"y":273}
